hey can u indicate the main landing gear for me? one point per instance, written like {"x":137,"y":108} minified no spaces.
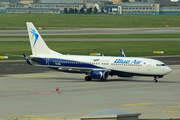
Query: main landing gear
{"x":155,"y":79}
{"x":88,"y":78}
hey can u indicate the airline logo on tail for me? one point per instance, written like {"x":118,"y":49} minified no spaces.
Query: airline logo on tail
{"x":34,"y":34}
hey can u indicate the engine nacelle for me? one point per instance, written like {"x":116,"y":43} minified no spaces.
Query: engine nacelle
{"x":100,"y":74}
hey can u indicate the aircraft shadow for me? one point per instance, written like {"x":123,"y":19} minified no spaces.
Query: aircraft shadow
{"x":70,"y":79}
{"x":146,"y":81}
{"x":3,"y":76}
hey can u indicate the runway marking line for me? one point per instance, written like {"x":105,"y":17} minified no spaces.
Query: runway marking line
{"x":174,"y":110}
{"x":37,"y":76}
{"x":19,"y":96}
{"x":137,"y":104}
{"x":147,"y":111}
{"x":42,"y":117}
{"x":32,"y":94}
{"x":38,"y":117}
{"x":47,"y":93}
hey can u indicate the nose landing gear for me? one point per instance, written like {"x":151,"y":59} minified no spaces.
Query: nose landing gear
{"x":155,"y":79}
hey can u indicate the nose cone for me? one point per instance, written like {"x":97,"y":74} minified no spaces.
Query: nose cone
{"x":167,"y":70}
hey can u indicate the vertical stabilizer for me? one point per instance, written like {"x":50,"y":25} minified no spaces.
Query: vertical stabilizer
{"x":38,"y":46}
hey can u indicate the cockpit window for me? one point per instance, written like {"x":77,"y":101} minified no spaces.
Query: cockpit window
{"x":160,"y":65}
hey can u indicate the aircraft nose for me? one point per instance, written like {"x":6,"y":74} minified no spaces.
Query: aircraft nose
{"x":167,"y":70}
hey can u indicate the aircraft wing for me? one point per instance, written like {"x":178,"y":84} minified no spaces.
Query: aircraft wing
{"x":79,"y":69}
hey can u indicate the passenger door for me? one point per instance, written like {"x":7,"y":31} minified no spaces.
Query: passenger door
{"x":47,"y":61}
{"x":149,"y":67}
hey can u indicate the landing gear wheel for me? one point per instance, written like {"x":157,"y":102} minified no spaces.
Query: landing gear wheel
{"x":155,"y":80}
{"x":88,"y":78}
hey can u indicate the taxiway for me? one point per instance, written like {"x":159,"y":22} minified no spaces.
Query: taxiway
{"x":90,"y":31}
{"x":29,"y":96}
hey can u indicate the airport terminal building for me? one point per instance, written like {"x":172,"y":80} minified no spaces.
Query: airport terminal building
{"x":44,"y":6}
{"x":137,"y":8}
{"x":54,"y":8}
{"x":169,"y":7}
{"x":153,"y":7}
{"x":145,"y":7}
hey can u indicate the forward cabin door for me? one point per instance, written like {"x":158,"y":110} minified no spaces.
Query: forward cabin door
{"x":149,"y":67}
{"x":47,"y":61}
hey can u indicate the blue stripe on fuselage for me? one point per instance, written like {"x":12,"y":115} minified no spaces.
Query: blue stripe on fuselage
{"x":71,"y":63}
{"x":66,"y":63}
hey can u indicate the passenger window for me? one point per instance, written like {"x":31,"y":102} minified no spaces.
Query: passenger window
{"x":160,"y":65}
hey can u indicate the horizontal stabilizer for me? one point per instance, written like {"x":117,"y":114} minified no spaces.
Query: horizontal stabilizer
{"x":27,"y":60}
{"x":17,"y":55}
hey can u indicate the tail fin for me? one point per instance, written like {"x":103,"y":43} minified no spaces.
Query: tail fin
{"x":38,"y":46}
{"x":122,"y":53}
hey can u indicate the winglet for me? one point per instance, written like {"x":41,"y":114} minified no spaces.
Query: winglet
{"x":122,"y":53}
{"x":27,"y":60}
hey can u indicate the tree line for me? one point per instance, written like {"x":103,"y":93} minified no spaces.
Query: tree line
{"x":81,"y":11}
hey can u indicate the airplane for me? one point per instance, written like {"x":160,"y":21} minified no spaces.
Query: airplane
{"x":94,"y":67}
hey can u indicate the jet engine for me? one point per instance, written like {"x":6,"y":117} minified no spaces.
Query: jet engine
{"x":99,"y":74}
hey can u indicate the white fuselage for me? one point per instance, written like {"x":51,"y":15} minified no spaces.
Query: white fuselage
{"x":134,"y":65}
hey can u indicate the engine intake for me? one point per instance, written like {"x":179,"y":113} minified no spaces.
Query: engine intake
{"x":100,"y":74}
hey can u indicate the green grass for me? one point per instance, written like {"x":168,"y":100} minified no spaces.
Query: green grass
{"x":108,"y":48}
{"x":88,"y":20}
{"x":175,"y":35}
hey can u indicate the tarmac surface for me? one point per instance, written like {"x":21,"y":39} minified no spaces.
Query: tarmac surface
{"x":89,"y":31}
{"x":29,"y":96}
{"x":28,"y":92}
{"x":32,"y":95}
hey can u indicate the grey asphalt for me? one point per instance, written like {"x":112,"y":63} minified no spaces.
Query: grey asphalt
{"x":19,"y":67}
{"x":88,"y":31}
{"x":32,"y":96}
{"x":28,"y":92}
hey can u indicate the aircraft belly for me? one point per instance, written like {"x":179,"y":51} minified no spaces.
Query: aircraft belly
{"x":136,"y":71}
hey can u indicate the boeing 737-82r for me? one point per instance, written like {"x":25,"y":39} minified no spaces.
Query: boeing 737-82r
{"x":95,"y":67}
